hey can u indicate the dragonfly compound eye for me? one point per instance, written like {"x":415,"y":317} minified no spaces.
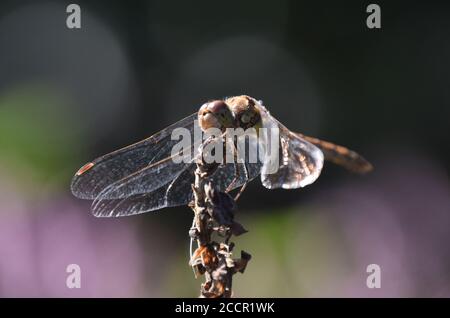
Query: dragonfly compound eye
{"x":217,"y":106}
{"x":215,"y":114}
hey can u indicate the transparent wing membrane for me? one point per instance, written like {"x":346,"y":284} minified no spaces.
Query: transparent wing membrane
{"x":299,"y":162}
{"x":110,"y":168}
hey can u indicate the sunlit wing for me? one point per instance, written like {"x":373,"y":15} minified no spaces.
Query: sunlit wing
{"x":149,"y":178}
{"x":299,"y":162}
{"x":96,"y":176}
{"x":175,"y":193}
{"x":158,"y":174}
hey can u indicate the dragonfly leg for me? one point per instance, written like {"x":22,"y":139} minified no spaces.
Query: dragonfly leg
{"x":236,"y":177}
{"x":241,"y":190}
{"x":236,"y":170}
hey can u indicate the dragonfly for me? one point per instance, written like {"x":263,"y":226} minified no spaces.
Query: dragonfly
{"x":143,"y":177}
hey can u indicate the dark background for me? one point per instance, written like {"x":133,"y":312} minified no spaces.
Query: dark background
{"x":68,"y":96}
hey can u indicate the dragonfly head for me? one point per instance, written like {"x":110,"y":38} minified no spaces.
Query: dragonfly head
{"x":215,"y":114}
{"x":245,"y":111}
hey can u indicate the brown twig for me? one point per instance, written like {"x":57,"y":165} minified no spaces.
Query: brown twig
{"x":214,"y":213}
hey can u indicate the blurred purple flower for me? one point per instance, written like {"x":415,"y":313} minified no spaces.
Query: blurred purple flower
{"x":398,"y":218}
{"x":37,"y":243}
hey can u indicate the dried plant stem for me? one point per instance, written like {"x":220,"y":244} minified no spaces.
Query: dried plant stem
{"x":214,"y":213}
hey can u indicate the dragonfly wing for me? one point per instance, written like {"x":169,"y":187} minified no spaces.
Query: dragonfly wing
{"x":298,"y":164}
{"x":94,"y":177}
{"x":151,"y":177}
{"x":175,"y":193}
{"x":226,"y":173}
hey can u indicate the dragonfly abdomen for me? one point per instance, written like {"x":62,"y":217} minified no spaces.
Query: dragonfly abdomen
{"x":340,"y":155}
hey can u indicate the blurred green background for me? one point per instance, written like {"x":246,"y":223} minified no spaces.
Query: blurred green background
{"x":70,"y":95}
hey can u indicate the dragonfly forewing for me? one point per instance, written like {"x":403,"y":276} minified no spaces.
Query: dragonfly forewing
{"x":97,"y":175}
